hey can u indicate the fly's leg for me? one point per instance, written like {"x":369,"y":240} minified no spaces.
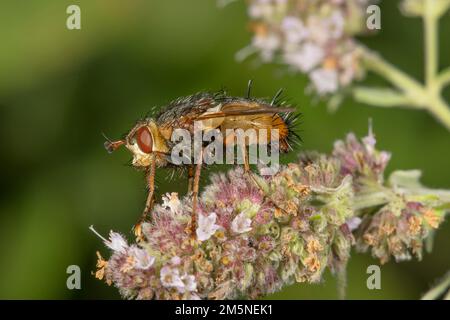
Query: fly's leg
{"x":195,"y":188}
{"x":190,"y":178}
{"x":150,"y":198}
{"x":247,"y":171}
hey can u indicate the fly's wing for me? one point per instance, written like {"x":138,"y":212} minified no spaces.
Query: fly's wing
{"x":242,"y":109}
{"x":247,"y":115}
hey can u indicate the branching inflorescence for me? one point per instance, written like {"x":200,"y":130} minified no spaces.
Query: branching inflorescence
{"x":318,"y":38}
{"x":251,"y":242}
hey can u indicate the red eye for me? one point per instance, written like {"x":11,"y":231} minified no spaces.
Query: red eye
{"x":144,"y":140}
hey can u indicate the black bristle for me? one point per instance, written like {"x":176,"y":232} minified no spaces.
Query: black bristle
{"x":276,"y":97}
{"x":249,"y":88}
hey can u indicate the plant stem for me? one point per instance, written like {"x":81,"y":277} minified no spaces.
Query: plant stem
{"x":440,"y":110}
{"x":383,"y":195}
{"x":410,"y":87}
{"x":431,"y":45}
{"x":412,"y":94}
{"x":444,"y":78}
{"x":439,"y":289}
{"x":416,"y":95}
{"x":373,"y":199}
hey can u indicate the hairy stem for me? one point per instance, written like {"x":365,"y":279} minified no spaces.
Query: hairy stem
{"x":373,"y":199}
{"x":385,"y":195}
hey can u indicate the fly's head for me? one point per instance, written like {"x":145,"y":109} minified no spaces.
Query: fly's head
{"x":145,"y":143}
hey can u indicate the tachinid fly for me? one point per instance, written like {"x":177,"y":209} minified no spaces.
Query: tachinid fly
{"x":150,"y":140}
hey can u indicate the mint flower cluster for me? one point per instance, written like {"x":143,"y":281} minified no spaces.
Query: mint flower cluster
{"x":312,"y":37}
{"x":254,"y":239}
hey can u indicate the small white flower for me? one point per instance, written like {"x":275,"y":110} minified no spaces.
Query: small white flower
{"x":369,"y":143}
{"x":306,"y":57}
{"x":170,"y":277}
{"x":116,"y":242}
{"x":142,"y":260}
{"x":353,"y":223}
{"x":175,"y":260}
{"x":294,"y":29}
{"x":348,"y":63}
{"x":189,"y":284}
{"x":267,"y":44}
{"x":193,"y":296}
{"x":260,"y":9}
{"x":206,"y":226}
{"x":336,"y":24}
{"x":318,"y":29}
{"x":241,"y":223}
{"x":324,"y":80}
{"x":384,"y":157}
{"x":171,"y":201}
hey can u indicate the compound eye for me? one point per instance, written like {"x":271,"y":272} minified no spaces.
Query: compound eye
{"x":144,"y":140}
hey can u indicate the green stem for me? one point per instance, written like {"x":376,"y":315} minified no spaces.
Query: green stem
{"x":439,"y":289}
{"x":412,"y":94}
{"x":379,"y":195}
{"x":415,"y":94}
{"x":439,"y":108}
{"x":431,"y":45}
{"x":369,"y":200}
{"x":380,"y":97}
{"x":444,"y":78}
{"x":410,"y":87}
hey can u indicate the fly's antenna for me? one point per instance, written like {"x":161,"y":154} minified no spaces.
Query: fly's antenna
{"x":276,"y":96}
{"x":106,"y":137}
{"x":110,"y":145}
{"x":249,"y":88}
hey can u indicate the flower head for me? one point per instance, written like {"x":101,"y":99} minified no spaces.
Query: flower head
{"x":171,"y":201}
{"x":189,"y":284}
{"x":312,"y":37}
{"x":242,"y":223}
{"x":170,"y":277}
{"x":206,"y":226}
{"x":141,"y":257}
{"x":116,"y":242}
{"x":290,"y":228}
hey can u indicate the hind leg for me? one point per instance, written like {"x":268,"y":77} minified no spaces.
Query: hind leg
{"x":195,"y":188}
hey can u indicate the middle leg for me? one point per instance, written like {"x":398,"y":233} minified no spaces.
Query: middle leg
{"x":150,"y":197}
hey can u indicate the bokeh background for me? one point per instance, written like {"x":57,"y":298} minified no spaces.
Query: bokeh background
{"x":59,"y":89}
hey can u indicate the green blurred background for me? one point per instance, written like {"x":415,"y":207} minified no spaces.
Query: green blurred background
{"x":59,"y":89}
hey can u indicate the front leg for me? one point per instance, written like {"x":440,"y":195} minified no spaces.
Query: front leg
{"x":195,"y":188}
{"x":150,"y":197}
{"x":190,"y":178}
